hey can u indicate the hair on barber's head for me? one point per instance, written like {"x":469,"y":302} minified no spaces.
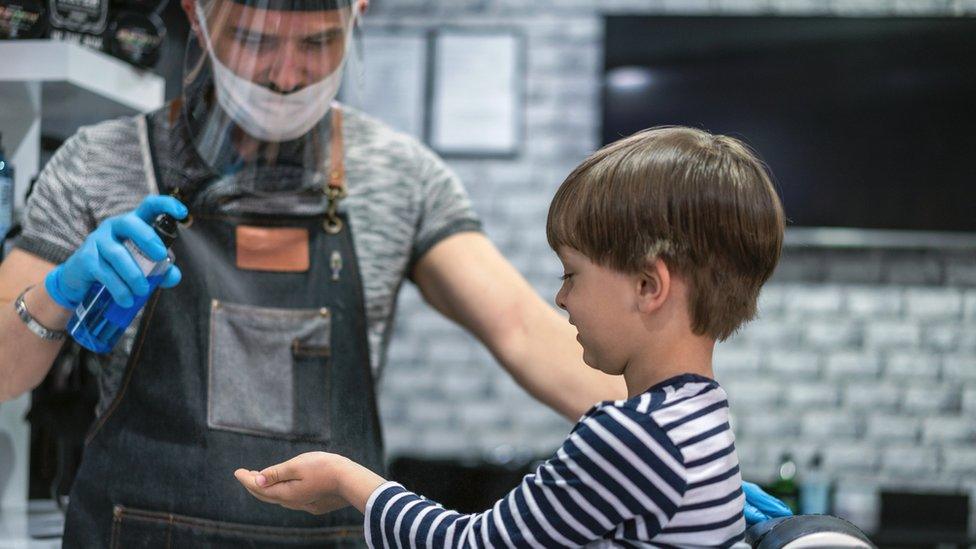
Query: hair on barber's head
{"x":703,"y":203}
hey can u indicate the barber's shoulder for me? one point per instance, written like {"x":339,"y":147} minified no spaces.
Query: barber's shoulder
{"x":368,"y":137}
{"x":115,"y":136}
{"x":116,"y":141}
{"x":103,"y":163}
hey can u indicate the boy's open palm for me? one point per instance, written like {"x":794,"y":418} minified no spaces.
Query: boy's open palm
{"x":308,"y":482}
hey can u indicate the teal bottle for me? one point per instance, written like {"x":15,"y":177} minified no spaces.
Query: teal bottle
{"x":6,"y":194}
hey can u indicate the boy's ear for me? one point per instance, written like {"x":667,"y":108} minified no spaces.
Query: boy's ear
{"x":653,"y":285}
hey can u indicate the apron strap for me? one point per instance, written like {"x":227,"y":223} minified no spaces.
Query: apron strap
{"x":336,"y":190}
{"x":337,"y":175}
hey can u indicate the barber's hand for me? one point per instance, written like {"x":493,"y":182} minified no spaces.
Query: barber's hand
{"x":309,"y":482}
{"x":761,"y":506}
{"x":103,"y":258}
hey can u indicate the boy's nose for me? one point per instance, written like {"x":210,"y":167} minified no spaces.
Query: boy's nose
{"x":561,"y":299}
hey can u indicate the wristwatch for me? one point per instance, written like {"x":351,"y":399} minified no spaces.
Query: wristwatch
{"x":32,"y":324}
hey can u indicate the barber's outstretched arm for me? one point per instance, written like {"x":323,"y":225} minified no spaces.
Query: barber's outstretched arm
{"x":469,"y":281}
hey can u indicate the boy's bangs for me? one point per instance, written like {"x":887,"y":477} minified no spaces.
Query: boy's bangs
{"x":565,"y":212}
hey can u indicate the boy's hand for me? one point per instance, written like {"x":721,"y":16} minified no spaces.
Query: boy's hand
{"x":309,"y":482}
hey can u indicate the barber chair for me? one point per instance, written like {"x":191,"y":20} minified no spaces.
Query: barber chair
{"x":806,"y":532}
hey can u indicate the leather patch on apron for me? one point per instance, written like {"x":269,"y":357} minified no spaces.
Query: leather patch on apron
{"x":275,"y":249}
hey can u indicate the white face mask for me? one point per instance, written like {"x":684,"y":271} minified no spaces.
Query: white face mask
{"x":265,"y":114}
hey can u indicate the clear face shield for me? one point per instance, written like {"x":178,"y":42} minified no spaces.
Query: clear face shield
{"x":260,"y":77}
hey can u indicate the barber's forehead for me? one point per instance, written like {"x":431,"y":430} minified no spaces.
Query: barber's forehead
{"x":263,"y":14}
{"x":291,"y":5}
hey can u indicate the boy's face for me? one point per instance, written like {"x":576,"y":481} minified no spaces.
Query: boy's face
{"x":602,"y":306}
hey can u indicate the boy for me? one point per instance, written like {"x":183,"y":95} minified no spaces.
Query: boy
{"x":666,"y":238}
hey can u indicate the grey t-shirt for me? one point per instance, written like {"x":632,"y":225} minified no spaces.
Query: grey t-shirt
{"x":402,"y":200}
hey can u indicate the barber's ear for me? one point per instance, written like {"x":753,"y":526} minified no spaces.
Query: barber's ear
{"x":190,"y":8}
{"x":653,"y":285}
{"x":363,"y":6}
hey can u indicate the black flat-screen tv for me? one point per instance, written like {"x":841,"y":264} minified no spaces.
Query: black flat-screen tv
{"x":866,"y":123}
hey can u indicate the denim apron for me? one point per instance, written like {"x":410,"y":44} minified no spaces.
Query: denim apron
{"x":219,"y":379}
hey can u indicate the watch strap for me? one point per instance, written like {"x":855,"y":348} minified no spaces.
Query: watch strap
{"x":32,"y":324}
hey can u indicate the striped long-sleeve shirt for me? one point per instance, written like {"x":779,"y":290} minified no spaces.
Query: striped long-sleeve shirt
{"x":658,"y":470}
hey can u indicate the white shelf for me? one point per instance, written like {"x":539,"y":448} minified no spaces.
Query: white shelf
{"x":52,"y":88}
{"x":79,"y":86}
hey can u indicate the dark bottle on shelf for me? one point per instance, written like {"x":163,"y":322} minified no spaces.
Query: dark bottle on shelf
{"x":79,"y":21}
{"x":784,"y":487}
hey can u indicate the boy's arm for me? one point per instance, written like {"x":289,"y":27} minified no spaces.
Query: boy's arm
{"x":613,"y":468}
{"x":467,"y":280}
{"x":357,"y":484}
{"x":607,"y":472}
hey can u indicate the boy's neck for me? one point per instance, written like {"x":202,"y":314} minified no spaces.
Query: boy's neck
{"x":691,"y":355}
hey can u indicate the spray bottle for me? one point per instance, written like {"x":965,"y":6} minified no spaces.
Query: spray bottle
{"x":99,"y":322}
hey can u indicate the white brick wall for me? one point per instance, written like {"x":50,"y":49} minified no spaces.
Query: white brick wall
{"x":866,"y":356}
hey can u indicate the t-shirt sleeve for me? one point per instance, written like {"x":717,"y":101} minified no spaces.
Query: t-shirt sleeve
{"x":445,"y":206}
{"x":612,"y":469}
{"x":56,"y":216}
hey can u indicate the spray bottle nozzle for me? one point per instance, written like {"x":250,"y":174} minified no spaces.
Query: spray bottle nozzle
{"x":166,"y":227}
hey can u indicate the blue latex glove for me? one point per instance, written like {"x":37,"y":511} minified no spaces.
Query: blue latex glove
{"x":103,"y":258}
{"x":761,"y":506}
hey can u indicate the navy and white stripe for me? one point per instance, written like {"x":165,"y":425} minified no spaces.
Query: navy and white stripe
{"x":659,"y":470}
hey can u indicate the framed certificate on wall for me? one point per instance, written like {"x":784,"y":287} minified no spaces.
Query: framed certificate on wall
{"x":476,"y":93}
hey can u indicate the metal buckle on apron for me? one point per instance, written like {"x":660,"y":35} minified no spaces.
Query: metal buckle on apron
{"x":332,"y":223}
{"x":336,"y":189}
{"x":187,"y":221}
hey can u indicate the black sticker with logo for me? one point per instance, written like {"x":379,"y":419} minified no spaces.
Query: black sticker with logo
{"x":22,"y":19}
{"x":137,"y":38}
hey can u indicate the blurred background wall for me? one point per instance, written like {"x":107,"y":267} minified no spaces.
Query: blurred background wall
{"x":865,"y":356}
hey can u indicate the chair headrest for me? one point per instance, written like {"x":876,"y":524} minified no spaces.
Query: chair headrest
{"x":806,"y":531}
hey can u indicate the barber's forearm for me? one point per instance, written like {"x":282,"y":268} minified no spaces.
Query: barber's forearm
{"x":26,"y":358}
{"x":542,"y":354}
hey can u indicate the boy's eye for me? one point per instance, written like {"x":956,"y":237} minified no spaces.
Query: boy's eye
{"x":565,"y":276}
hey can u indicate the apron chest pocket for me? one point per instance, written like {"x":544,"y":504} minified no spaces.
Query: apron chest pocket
{"x":269,"y":371}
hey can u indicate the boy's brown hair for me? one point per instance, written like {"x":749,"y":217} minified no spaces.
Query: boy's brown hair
{"x":703,"y":203}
